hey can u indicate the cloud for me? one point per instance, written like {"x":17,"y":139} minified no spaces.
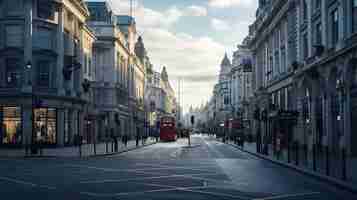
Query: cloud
{"x":197,"y":11}
{"x":194,"y":58}
{"x":230,"y":3}
{"x":197,"y":78}
{"x":219,"y":25}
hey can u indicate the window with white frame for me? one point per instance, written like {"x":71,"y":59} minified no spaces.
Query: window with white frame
{"x":43,"y":38}
{"x":14,"y":7}
{"x":45,"y":9}
{"x":354,"y":16}
{"x":318,"y":34}
{"x":334,"y":27}
{"x":304,"y":10}
{"x":305,"y":45}
{"x":14,"y":35}
{"x":43,"y":73}
{"x":13,"y":72}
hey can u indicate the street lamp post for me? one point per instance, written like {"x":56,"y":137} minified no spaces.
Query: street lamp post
{"x":86,"y":87}
{"x":340,"y":86}
{"x":29,"y":82}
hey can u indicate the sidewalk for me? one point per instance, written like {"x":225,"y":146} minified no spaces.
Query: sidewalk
{"x":86,"y":150}
{"x":350,"y":184}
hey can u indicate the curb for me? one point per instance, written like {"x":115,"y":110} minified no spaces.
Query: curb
{"x":333,"y":181}
{"x":88,"y":156}
{"x":120,"y":152}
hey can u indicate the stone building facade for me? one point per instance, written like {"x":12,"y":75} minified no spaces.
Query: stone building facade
{"x":241,"y":85}
{"x":42,"y":48}
{"x":305,"y":64}
{"x":111,"y":58}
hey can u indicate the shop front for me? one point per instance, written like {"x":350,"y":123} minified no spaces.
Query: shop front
{"x":11,"y":126}
{"x":45,"y":126}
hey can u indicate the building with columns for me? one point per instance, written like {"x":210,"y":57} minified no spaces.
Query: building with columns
{"x":241,"y":85}
{"x":111,"y":58}
{"x":305,"y":62}
{"x":44,"y":49}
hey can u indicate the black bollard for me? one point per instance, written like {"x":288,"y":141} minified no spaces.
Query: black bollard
{"x":106,"y":146}
{"x":289,"y":153}
{"x":314,"y":157}
{"x":344,"y":170}
{"x":306,"y":154}
{"x":327,"y":161}
{"x":297,"y":153}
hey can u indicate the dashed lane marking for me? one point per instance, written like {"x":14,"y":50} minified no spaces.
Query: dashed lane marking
{"x":26,"y":183}
{"x":149,"y":173}
{"x":145,"y":178}
{"x":289,"y":196}
{"x":115,"y":170}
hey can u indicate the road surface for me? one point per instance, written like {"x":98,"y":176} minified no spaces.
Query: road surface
{"x":206,"y":170}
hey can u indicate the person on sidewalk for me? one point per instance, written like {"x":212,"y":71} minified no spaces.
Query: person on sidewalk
{"x":259,"y":141}
{"x":137,"y":138}
{"x":126,"y":140}
{"x":112,"y":138}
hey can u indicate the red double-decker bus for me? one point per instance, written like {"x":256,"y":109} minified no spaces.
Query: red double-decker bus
{"x":168,"y":129}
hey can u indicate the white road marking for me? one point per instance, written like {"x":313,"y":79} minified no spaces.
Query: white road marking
{"x":26,"y":183}
{"x":114,"y":170}
{"x":142,"y":172}
{"x":144,"y":178}
{"x":288,"y":196}
{"x":174,"y":154}
{"x":173,"y":167}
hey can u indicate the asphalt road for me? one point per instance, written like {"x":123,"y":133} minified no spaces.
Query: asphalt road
{"x":206,"y":170}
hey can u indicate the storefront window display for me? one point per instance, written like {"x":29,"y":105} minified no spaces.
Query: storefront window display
{"x":11,"y":130}
{"x":45,"y":128}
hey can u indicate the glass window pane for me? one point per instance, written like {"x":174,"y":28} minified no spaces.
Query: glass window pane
{"x":13,"y":72}
{"x":43,"y":38}
{"x":14,"y":36}
{"x":11,"y":125}
{"x":45,"y":125}
{"x":43,"y":73}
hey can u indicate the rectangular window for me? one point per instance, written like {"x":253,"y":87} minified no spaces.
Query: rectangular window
{"x":45,"y":128}
{"x":43,"y":76}
{"x":13,"y":73}
{"x":277,"y":63}
{"x":318,"y":35}
{"x":305,"y":11}
{"x":354,"y":16}
{"x":45,"y":9}
{"x":85,"y":63}
{"x":290,"y":97}
{"x":11,"y":129}
{"x":283,"y":60}
{"x":305,"y":43}
{"x":43,"y":38}
{"x":317,"y":4}
{"x":89,"y":66}
{"x":14,"y":36}
{"x":334,"y":27}
{"x":14,"y":7}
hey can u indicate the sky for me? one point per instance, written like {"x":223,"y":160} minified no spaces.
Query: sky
{"x":190,"y":38}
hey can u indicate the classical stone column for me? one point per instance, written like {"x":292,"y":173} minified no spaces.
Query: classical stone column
{"x":27,"y":124}
{"x":60,"y":127}
{"x":28,"y":34}
{"x":60,"y":52}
